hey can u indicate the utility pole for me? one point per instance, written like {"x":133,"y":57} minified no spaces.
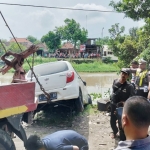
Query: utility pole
{"x":86,"y":22}
{"x":102,"y":40}
{"x":102,"y":32}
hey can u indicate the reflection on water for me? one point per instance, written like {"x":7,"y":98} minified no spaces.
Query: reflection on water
{"x":99,"y":82}
{"x":96,"y":82}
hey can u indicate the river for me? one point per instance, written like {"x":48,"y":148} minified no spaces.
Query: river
{"x":96,"y":82}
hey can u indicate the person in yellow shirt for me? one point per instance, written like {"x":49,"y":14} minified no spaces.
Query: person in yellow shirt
{"x":142,"y":80}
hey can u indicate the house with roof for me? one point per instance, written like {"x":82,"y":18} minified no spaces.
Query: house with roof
{"x":67,"y":48}
{"x":24,"y":41}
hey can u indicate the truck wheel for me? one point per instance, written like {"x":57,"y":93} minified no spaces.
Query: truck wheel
{"x":6,"y":143}
{"x":79,"y":103}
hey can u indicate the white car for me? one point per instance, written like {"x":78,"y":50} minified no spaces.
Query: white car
{"x":62,"y":82}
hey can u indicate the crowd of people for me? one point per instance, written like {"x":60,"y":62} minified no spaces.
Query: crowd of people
{"x":75,"y":55}
{"x":133,"y":96}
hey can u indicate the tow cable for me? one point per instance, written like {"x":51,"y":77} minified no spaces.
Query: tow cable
{"x":31,"y":68}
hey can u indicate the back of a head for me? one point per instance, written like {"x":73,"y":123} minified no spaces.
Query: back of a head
{"x":137,"y":108}
{"x":34,"y":143}
{"x":135,"y":62}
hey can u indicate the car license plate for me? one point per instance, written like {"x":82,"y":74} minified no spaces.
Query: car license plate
{"x":53,"y":95}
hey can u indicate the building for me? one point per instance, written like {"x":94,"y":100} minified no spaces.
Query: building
{"x":42,"y":50}
{"x":67,"y":48}
{"x":24,"y":41}
{"x":90,"y":46}
{"x":108,"y":53}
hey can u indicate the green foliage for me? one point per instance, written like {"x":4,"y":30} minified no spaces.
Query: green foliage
{"x":2,"y":51}
{"x":107,"y":93}
{"x":52,"y":40}
{"x":146,"y":54}
{"x":83,"y":67}
{"x":103,"y":41}
{"x":32,"y":39}
{"x":96,"y":95}
{"x":136,"y":44}
{"x":97,"y":66}
{"x":72,"y":32}
{"x":125,"y":47}
{"x":107,"y":60}
{"x":133,"y":33}
{"x":116,"y":31}
{"x":135,"y":9}
{"x":15,"y":48}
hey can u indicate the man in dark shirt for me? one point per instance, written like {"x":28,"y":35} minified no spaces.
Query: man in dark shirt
{"x":60,"y":140}
{"x":135,"y":123}
{"x":122,"y":90}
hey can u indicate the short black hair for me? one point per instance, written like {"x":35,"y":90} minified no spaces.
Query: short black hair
{"x":135,"y":62}
{"x":34,"y":143}
{"x":137,"y":109}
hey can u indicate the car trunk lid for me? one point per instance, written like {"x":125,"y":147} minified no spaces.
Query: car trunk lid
{"x":50,"y":75}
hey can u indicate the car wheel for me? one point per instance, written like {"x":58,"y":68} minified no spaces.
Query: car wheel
{"x":79,"y":103}
{"x":89,"y":99}
{"x":6,"y":143}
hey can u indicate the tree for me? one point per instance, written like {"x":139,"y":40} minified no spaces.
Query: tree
{"x":15,"y":48}
{"x":135,"y":9}
{"x":32,"y":39}
{"x":116,"y":38}
{"x":52,"y":40}
{"x":72,"y":32}
{"x":103,"y":41}
{"x":125,"y":47}
{"x":116,"y":31}
{"x":133,"y":33}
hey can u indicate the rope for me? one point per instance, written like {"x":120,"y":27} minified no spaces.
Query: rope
{"x":41,"y":87}
{"x":31,"y":68}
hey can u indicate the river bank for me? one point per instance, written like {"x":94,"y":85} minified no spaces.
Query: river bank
{"x":86,"y":66}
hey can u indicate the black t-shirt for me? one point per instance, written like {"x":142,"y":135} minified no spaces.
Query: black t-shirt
{"x":64,"y":139}
{"x":121,"y":92}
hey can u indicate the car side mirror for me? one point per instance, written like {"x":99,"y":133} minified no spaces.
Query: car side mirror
{"x":84,"y":83}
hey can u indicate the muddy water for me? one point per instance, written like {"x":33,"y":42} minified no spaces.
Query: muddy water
{"x":96,"y":82}
{"x":99,"y":82}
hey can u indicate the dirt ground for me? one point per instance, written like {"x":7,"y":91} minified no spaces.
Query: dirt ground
{"x":93,"y":124}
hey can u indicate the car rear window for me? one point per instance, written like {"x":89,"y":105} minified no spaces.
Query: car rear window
{"x":49,"y":68}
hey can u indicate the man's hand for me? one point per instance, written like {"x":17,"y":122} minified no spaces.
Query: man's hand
{"x":75,"y":148}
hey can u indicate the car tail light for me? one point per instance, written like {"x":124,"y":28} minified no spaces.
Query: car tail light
{"x":70,"y":77}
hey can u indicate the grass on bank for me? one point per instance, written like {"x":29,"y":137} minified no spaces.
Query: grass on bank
{"x":53,"y":117}
{"x":96,"y":66}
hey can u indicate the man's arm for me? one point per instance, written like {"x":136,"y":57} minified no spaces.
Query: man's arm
{"x":75,"y":148}
{"x":69,"y":147}
{"x":131,"y":70}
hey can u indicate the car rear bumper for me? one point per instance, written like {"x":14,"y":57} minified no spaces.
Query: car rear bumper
{"x":66,"y":93}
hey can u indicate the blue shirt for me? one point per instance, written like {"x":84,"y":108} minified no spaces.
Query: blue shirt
{"x":64,"y":140}
{"x":141,"y":144}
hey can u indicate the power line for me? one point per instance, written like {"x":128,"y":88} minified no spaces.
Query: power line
{"x":68,"y":8}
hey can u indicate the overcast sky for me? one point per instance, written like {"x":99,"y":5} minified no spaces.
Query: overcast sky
{"x":37,"y":22}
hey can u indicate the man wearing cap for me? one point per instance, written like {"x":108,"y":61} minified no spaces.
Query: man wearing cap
{"x":122,"y":90}
{"x":141,"y":80}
